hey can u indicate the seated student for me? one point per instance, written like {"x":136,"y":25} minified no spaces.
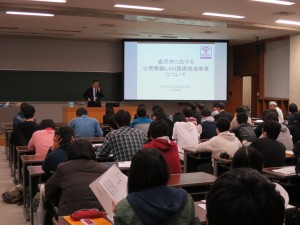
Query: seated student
{"x":109,"y":114}
{"x":42,"y":140}
{"x":85,"y":126}
{"x":159,"y":133}
{"x":149,"y":200}
{"x":222,"y":112}
{"x":23,"y":131}
{"x":124,"y":142}
{"x":215,"y":110}
{"x":244,"y":197}
{"x":296,"y":151}
{"x":273,"y":105}
{"x":141,"y":106}
{"x":273,"y":151}
{"x":251,"y":158}
{"x":19,"y":117}
{"x":70,"y":182}
{"x":159,"y":114}
{"x":293,"y":109}
{"x":189,"y":114}
{"x":295,"y":128}
{"x":223,"y":142}
{"x":244,"y":131}
{"x":142,"y":122}
{"x":234,"y":121}
{"x":184,"y":133}
{"x":208,"y":124}
{"x":58,"y":153}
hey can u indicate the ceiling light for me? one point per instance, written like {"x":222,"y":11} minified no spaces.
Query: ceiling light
{"x":288,"y":22}
{"x":279,"y":2}
{"x":57,"y":1}
{"x":138,"y":7}
{"x":28,"y":13}
{"x":223,"y":15}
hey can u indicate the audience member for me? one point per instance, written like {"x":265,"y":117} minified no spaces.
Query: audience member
{"x":296,"y":151}
{"x":22,"y":133}
{"x":215,"y":110}
{"x":85,"y":126}
{"x":251,"y":158}
{"x":42,"y":140}
{"x":142,"y":122}
{"x":189,"y":114}
{"x":244,"y":197}
{"x":124,"y":142}
{"x":293,"y":109}
{"x":155,"y":107}
{"x":273,"y":105}
{"x":234,"y":123}
{"x":74,"y":193}
{"x":159,"y":134}
{"x":273,"y":151}
{"x":184,"y":133}
{"x":19,"y":117}
{"x":223,"y":142}
{"x":295,"y":128}
{"x":208,"y":124}
{"x":64,"y":136}
{"x":159,"y":114}
{"x":141,"y":106}
{"x":244,"y":130}
{"x":150,"y":200}
{"x":109,"y":114}
{"x":222,"y":112}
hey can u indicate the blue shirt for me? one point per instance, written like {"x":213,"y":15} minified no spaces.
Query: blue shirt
{"x":85,"y":126}
{"x":140,"y":120}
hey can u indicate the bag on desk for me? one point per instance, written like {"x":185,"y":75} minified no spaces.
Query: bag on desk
{"x":87,"y":213}
{"x":14,"y":195}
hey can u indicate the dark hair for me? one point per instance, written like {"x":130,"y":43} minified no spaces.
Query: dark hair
{"x":242,"y":117}
{"x":81,"y":111}
{"x":271,"y":115}
{"x":66,"y":134}
{"x":23,"y":104}
{"x":155,"y":107}
{"x":296,"y":149}
{"x":292,"y":216}
{"x":215,"y":105}
{"x":240,"y":109}
{"x":188,"y":112}
{"x":81,"y":149}
{"x":28,"y":111}
{"x":158,"y":128}
{"x":94,"y":81}
{"x":293,"y":108}
{"x":148,"y":169}
{"x":109,"y":110}
{"x":221,"y":105}
{"x":192,"y":106}
{"x":122,"y":118}
{"x":248,"y":157}
{"x":112,"y":123}
{"x":141,"y":111}
{"x":141,"y":105}
{"x":205,"y":112}
{"x":272,"y":128}
{"x":200,"y":106}
{"x":179,"y":117}
{"x":244,"y":197}
{"x":160,"y":114}
{"x":222,"y":124}
{"x":47,"y":123}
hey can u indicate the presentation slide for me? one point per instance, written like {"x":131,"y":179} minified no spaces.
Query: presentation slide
{"x":175,"y":70}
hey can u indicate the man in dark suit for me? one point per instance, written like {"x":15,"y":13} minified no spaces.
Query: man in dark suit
{"x":222,"y":112}
{"x":93,"y":95}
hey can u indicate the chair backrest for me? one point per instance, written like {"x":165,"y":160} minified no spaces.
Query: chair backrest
{"x":143,"y":127}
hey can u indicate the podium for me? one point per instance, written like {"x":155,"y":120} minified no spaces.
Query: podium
{"x":95,"y":112}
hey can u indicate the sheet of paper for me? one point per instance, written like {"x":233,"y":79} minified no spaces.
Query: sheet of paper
{"x":110,"y":188}
{"x":288,"y":170}
{"x":125,"y":164}
{"x":203,"y":206}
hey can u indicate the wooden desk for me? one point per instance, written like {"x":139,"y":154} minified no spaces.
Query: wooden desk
{"x":93,"y":139}
{"x":200,"y":213}
{"x":69,"y":113}
{"x":193,"y":183}
{"x":191,"y":152}
{"x":284,"y":179}
{"x":21,"y":150}
{"x":28,"y":160}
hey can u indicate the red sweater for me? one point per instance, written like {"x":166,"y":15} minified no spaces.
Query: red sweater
{"x":169,"y":150}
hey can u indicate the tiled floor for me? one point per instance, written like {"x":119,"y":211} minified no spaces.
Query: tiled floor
{"x":10,"y":214}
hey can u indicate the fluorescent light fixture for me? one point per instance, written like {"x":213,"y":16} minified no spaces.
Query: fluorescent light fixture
{"x":138,"y":7}
{"x":56,"y":1}
{"x":279,"y":2}
{"x":223,"y":15}
{"x":28,"y":13}
{"x":288,"y":22}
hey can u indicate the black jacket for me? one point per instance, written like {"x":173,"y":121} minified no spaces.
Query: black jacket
{"x":89,"y":94}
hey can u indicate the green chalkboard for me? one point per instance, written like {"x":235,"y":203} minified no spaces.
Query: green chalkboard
{"x":56,"y":85}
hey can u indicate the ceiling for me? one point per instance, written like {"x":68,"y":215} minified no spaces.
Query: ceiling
{"x":98,"y":20}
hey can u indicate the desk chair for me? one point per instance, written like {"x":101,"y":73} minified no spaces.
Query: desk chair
{"x":200,"y":162}
{"x":143,"y":127}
